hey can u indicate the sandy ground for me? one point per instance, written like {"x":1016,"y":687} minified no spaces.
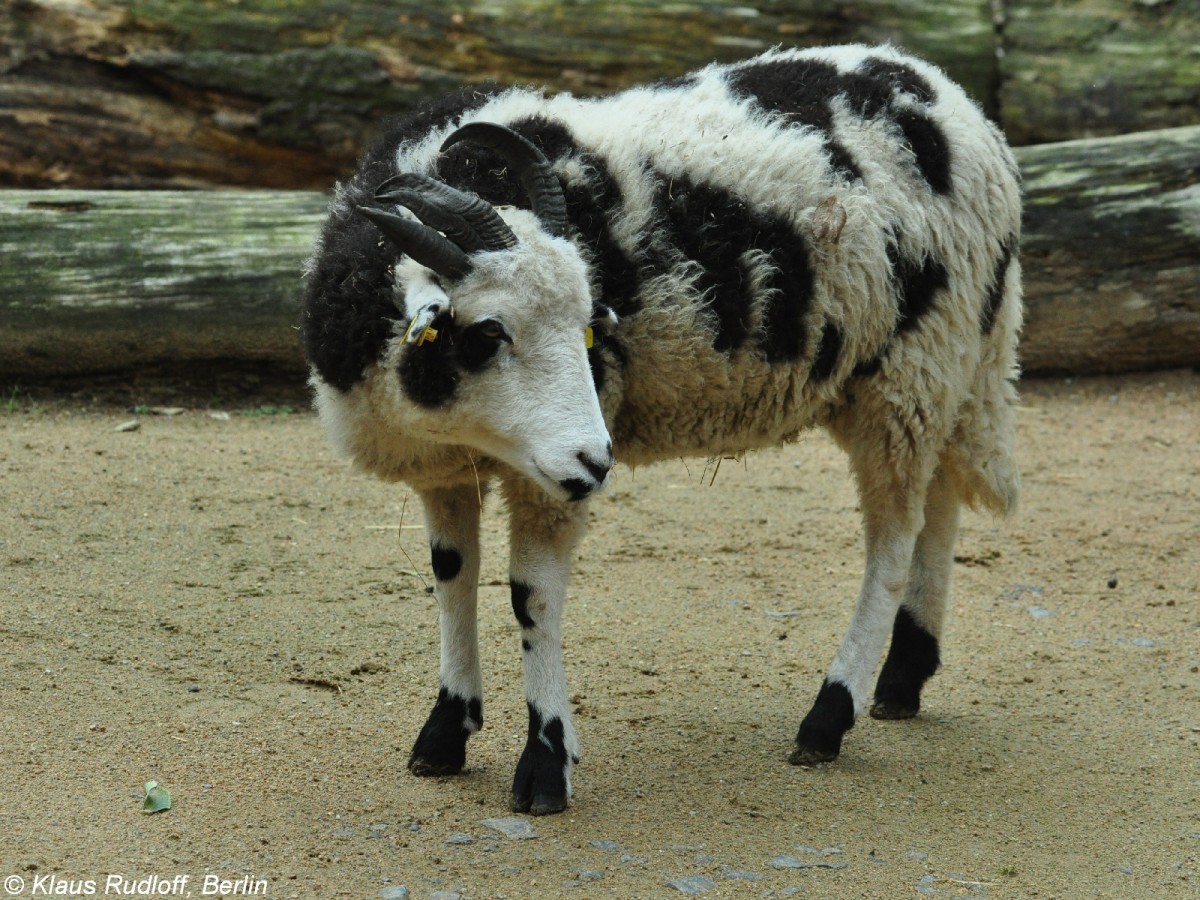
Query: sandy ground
{"x":220,"y":605}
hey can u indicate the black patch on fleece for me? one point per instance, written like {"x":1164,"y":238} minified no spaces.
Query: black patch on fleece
{"x":904,"y":77}
{"x":715,"y":229}
{"x":521,"y":593}
{"x":868,"y":367}
{"x":829,"y":349}
{"x":540,"y":782}
{"x":441,"y":747}
{"x":447,"y":562}
{"x":930,"y":147}
{"x":800,"y":92}
{"x":820,"y":736}
{"x":995,"y":294}
{"x":917,"y":286}
{"x":911,"y":660}
{"x":346,"y":309}
{"x":430,"y":372}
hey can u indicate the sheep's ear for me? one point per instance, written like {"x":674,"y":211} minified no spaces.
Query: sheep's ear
{"x":428,"y":301}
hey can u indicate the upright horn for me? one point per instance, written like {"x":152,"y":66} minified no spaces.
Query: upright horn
{"x":530,"y":165}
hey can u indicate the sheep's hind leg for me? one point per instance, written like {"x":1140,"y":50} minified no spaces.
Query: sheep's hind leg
{"x":913,"y":656}
{"x":892,"y":519}
{"x":543,"y":538}
{"x":452,"y":527}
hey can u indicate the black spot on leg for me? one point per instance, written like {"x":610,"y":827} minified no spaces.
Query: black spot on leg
{"x":441,"y":747}
{"x":995,"y":294}
{"x":911,"y":661}
{"x":821,"y":732}
{"x":540,"y":782}
{"x":520,"y":602}
{"x":525,"y":645}
{"x":447,"y":562}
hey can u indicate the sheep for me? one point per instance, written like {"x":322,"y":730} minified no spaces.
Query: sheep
{"x":522,"y":289}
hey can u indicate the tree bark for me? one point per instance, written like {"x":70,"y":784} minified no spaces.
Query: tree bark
{"x":1111,"y":253}
{"x":1089,"y":68}
{"x":268,"y":93}
{"x":95,"y":281}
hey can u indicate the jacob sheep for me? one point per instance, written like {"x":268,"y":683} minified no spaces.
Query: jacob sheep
{"x":522,"y":288}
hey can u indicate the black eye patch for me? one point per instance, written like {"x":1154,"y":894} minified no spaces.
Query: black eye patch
{"x":477,"y":343}
{"x":431,"y":371}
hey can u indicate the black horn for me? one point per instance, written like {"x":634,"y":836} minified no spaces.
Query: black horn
{"x":431,"y":249}
{"x":470,"y":222}
{"x":530,"y":165}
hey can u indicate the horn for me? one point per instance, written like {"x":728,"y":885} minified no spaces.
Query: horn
{"x":422,"y":243}
{"x":530,"y":165}
{"x":470,"y":222}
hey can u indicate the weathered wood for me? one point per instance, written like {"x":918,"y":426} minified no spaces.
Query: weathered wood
{"x":1111,"y":253}
{"x":95,"y":281}
{"x":99,"y":281}
{"x":1088,"y":68}
{"x":275,"y":93}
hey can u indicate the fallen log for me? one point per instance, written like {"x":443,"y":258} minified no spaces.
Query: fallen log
{"x":1090,"y":68}
{"x":95,"y":281}
{"x":183,"y":93}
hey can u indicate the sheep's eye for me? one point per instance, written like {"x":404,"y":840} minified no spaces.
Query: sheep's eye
{"x":493,"y":330}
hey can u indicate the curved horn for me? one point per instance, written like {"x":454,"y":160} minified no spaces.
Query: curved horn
{"x":422,"y":243}
{"x":530,"y":165}
{"x":470,"y":222}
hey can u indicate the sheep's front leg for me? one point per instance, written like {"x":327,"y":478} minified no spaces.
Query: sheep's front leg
{"x":543,"y":537}
{"x":452,"y":527}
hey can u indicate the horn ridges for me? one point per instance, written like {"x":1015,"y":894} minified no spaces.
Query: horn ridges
{"x":422,"y":243}
{"x":469,"y":221}
{"x":530,"y":165}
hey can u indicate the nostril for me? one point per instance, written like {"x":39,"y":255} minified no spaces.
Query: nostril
{"x":597,"y":470}
{"x":576,"y":488}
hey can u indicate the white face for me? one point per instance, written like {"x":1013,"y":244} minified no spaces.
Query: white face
{"x":508,"y":373}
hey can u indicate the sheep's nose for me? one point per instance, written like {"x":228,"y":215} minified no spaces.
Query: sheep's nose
{"x":598,"y":469}
{"x":578,"y":488}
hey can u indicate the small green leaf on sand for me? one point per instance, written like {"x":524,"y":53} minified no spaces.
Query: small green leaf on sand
{"x":158,"y":798}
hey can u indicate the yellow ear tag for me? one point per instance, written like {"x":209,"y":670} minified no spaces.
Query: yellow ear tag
{"x":588,"y":339}
{"x":429,"y":334}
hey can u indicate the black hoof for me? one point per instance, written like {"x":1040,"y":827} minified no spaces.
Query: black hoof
{"x":894,"y":709}
{"x":441,"y":747}
{"x":911,"y":661}
{"x":819,"y":739}
{"x":540,"y":785}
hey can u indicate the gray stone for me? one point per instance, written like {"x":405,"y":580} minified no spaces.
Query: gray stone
{"x":693,"y":885}
{"x":512,"y":827}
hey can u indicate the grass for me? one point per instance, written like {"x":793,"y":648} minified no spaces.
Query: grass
{"x":281,"y":410}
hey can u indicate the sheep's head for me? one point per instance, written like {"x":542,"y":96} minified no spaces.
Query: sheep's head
{"x":497,"y":316}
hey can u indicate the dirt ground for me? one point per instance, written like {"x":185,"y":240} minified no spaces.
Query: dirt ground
{"x":218,"y":604}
